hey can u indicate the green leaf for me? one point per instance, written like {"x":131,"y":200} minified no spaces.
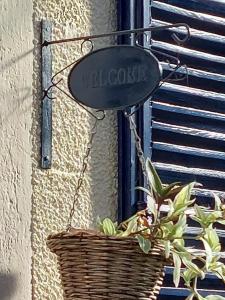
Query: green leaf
{"x":217,"y":202}
{"x":203,"y":216}
{"x":144,"y":244}
{"x":178,"y":228}
{"x":152,"y":206}
{"x":180,"y":242}
{"x":167,"y":249}
{"x":153,"y":178}
{"x":173,"y":192}
{"x":196,"y":219}
{"x":108,"y":227}
{"x":193,"y":267}
{"x":143,"y":190}
{"x":177,"y":267}
{"x":199,"y":297}
{"x":214,"y":297}
{"x":132,"y":226}
{"x":167,"y":229}
{"x":179,"y":246}
{"x":200,"y":212}
{"x":180,"y":209}
{"x":183,"y":196}
{"x":212,"y":238}
{"x":170,"y":211}
{"x":209,"y":254}
{"x":99,"y":224}
{"x":188,"y":275}
{"x":212,"y":217}
{"x":218,"y":269}
{"x":170,"y":187}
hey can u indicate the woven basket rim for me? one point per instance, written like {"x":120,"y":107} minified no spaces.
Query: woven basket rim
{"x":82,"y":234}
{"x":85,"y":233}
{"x":75,"y":232}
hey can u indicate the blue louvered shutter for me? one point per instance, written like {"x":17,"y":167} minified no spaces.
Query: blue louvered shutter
{"x":188,"y":118}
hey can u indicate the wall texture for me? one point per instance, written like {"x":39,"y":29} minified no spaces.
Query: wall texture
{"x":53,"y":190}
{"x":16,"y":68}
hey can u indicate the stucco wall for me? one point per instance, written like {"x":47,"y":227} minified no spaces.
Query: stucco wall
{"x":53,"y":189}
{"x":16,"y":68}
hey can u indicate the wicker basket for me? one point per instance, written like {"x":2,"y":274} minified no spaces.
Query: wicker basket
{"x":94,"y":266}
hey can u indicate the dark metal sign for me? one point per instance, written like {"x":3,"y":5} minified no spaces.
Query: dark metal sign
{"x":114,"y":77}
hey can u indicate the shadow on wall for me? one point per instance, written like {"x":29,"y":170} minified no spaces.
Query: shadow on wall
{"x":7,"y":286}
{"x":8,"y":64}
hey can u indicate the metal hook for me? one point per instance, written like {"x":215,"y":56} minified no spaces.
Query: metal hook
{"x":46,"y":92}
{"x":83,"y":43}
{"x":136,"y":109}
{"x":145,"y":38}
{"x":100,"y":118}
{"x":179,"y":40}
{"x":185,"y":76}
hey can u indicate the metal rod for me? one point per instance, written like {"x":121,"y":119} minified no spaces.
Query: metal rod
{"x":124,"y":32}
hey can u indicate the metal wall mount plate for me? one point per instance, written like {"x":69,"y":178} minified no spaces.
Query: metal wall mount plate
{"x":115,"y":77}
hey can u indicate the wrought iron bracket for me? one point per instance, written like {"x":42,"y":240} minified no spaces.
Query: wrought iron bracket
{"x":47,"y":79}
{"x":46,"y":115}
{"x":137,"y":32}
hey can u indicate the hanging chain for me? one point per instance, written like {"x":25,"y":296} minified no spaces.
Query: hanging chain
{"x":82,"y":173}
{"x":140,"y":153}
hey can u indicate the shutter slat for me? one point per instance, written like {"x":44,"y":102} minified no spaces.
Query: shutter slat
{"x":192,"y":171}
{"x":191,"y":157}
{"x":208,"y":193}
{"x":172,"y":173}
{"x":188,"y":131}
{"x":174,"y":137}
{"x":191,"y":97}
{"x":207,"y":6}
{"x":189,"y":151}
{"x":189,"y":111}
{"x":179,"y":116}
{"x":197,"y":20}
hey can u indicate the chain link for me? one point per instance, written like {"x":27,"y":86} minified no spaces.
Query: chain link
{"x":140,"y":153}
{"x":82,"y":173}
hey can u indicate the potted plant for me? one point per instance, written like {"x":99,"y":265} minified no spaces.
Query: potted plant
{"x":127,"y":260}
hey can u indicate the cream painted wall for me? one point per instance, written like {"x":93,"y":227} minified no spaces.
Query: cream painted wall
{"x":16,"y":69}
{"x":53,"y":190}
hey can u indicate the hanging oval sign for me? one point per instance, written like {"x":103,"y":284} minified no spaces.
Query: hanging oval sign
{"x":114,"y":77}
